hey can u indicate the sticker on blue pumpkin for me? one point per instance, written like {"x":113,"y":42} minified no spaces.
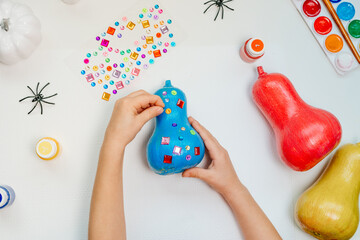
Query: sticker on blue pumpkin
{"x":175,"y":145}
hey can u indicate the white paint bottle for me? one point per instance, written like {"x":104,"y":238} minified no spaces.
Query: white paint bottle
{"x":7,"y":196}
{"x":252,"y":50}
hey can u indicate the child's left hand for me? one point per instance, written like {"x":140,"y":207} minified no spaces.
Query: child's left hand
{"x":130,"y":114}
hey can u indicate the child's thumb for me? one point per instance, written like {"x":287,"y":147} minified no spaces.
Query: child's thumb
{"x":196,"y":173}
{"x":150,"y":113}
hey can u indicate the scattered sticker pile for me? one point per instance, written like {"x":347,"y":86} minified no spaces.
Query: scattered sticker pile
{"x":112,"y":67}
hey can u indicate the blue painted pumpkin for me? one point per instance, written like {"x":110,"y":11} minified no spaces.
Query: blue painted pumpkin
{"x":174,"y":145}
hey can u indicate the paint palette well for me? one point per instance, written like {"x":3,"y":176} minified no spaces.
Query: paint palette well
{"x":325,"y":30}
{"x":349,"y":14}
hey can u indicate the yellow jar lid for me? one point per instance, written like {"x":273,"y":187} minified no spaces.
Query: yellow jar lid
{"x":47,"y":148}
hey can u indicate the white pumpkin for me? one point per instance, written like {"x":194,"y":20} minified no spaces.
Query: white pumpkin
{"x":19,"y":32}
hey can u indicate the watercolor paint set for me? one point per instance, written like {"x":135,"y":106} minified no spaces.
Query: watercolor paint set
{"x":127,"y":47}
{"x":323,"y":26}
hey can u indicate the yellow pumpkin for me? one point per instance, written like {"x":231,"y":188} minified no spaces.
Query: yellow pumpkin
{"x":329,"y":208}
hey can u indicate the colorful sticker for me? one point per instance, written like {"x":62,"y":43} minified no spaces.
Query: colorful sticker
{"x":111,"y":60}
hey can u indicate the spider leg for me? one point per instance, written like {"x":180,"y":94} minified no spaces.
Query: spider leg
{"x":37,"y":87}
{"x":222,"y":12}
{"x":227,"y":1}
{"x":44,"y":87}
{"x":209,"y":1}
{"x":26,"y":98}
{"x":31,"y":90}
{"x":229,"y":7}
{"x":217,"y":14}
{"x":41,"y":107}
{"x":33,"y":108}
{"x":209,"y":7}
{"x":50,"y":96}
{"x":47,"y":102}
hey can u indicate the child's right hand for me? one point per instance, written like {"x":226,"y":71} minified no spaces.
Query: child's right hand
{"x":130,"y":114}
{"x":220,"y":175}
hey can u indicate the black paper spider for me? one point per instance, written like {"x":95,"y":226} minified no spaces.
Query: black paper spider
{"x":38,"y":97}
{"x":220,"y":4}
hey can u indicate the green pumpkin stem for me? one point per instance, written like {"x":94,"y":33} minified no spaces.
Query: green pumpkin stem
{"x":4,"y":24}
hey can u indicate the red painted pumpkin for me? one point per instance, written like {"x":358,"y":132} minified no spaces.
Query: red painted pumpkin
{"x":304,"y":134}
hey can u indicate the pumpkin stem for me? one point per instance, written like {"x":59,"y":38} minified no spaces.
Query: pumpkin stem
{"x":4,"y":24}
{"x":260,"y":71}
{"x":168,"y":83}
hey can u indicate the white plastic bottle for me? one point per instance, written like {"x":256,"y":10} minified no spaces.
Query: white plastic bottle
{"x":7,"y":196}
{"x":252,"y":50}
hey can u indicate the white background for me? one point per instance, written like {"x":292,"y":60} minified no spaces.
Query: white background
{"x":53,"y":197}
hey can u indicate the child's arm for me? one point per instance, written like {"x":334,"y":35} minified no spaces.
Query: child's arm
{"x":130,"y":113}
{"x":222,"y":177}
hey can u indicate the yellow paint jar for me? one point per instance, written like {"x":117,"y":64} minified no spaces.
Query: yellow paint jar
{"x":47,"y":148}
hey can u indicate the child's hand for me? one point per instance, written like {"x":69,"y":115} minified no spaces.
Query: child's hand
{"x":130,"y":114}
{"x":220,"y":175}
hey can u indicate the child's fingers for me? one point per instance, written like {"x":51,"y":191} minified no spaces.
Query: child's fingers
{"x":145,"y":93}
{"x":137,"y":93}
{"x":146,"y":100}
{"x":196,"y":172}
{"x":150,"y":113}
{"x":210,"y":141}
{"x":201,"y":129}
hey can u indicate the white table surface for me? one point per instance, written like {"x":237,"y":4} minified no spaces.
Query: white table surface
{"x":53,"y":197}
